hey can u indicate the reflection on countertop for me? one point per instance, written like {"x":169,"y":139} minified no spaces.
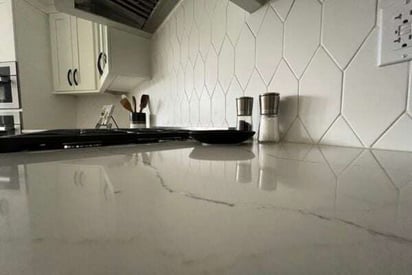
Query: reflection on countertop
{"x":173,"y":209}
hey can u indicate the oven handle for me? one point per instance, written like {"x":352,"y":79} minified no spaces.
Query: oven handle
{"x":4,"y":79}
{"x":69,"y":74}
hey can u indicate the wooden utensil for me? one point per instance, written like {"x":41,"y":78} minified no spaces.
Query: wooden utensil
{"x":126,"y":103}
{"x":143,"y":102}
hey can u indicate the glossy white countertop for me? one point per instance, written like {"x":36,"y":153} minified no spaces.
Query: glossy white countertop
{"x":184,"y":208}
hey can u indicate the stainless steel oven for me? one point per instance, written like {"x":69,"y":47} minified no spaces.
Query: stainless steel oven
{"x":9,"y":87}
{"x":10,"y":122}
{"x":10,"y":112}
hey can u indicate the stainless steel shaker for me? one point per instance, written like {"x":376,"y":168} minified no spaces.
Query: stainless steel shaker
{"x":244,"y":107}
{"x":269,"y":121}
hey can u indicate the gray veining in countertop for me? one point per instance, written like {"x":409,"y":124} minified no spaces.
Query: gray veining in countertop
{"x":183,"y":208}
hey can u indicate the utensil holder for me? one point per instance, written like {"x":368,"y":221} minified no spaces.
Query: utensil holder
{"x":137,"y":120}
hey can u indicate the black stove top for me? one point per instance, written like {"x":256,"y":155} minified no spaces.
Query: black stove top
{"x":82,"y":138}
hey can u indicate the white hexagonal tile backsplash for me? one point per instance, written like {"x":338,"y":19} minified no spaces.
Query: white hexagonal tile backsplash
{"x":319,"y":55}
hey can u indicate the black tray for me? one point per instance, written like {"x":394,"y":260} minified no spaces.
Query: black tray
{"x":221,"y":136}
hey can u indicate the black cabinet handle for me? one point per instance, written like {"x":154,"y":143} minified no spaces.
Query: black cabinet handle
{"x":69,"y":75}
{"x":102,"y":57}
{"x":75,"y":77}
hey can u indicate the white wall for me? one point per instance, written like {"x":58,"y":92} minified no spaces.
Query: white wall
{"x":41,"y":109}
{"x":319,"y":55}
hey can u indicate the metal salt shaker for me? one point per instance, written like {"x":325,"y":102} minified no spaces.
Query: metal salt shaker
{"x":244,"y":106}
{"x":269,"y":121}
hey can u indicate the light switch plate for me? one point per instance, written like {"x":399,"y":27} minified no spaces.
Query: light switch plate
{"x":395,"y":38}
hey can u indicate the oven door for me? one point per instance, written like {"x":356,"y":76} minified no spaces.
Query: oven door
{"x":10,"y":122}
{"x":9,"y":95}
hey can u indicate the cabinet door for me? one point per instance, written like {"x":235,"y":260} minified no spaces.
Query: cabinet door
{"x":7,"y":52}
{"x":84,"y":68}
{"x":102,"y":65}
{"x":62,"y":52}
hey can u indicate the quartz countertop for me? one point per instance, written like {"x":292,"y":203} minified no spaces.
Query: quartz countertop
{"x":185,"y":208}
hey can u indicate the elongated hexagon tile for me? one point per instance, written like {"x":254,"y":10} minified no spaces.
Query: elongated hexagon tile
{"x":255,"y":19}
{"x":189,"y":13}
{"x":205,"y":32}
{"x":219,"y":25}
{"x":205,"y":109}
{"x":398,"y":137}
{"x":194,"y":107}
{"x":211,"y":6}
{"x":226,"y":64}
{"x":302,"y":34}
{"x":189,"y":80}
{"x":285,"y":83}
{"x":235,"y":21}
{"x":255,"y":87}
{"x":341,"y":134}
{"x":218,"y":107}
{"x":245,"y":56}
{"x":320,"y":95}
{"x":297,"y":133}
{"x":185,"y":119}
{"x":180,"y":83}
{"x":193,"y":44}
{"x":269,"y":43}
{"x":282,"y":7}
{"x":184,"y":50}
{"x":373,"y":96}
{"x":199,"y":10}
{"x":345,"y":26}
{"x":234,"y":91}
{"x":199,"y":75}
{"x":180,"y":21}
{"x":211,"y":69}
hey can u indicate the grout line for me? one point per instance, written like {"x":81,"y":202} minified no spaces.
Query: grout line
{"x":329,"y":165}
{"x":329,"y":128}
{"x":387,"y":129}
{"x":376,"y":11}
{"x":384,"y":171}
{"x":408,"y":87}
{"x":322,"y":19}
{"x":354,"y":132}
{"x":261,"y":78}
{"x":290,"y":9}
{"x":342,"y":95}
{"x":274,"y":74}
{"x":359,"y":48}
{"x":310,"y":61}
{"x":277,"y":14}
{"x":289,"y":127}
{"x":356,"y":158}
{"x":307,"y":132}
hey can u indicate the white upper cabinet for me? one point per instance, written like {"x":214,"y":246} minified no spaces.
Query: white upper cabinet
{"x":92,"y":58}
{"x":73,"y":48}
{"x":7,"y":49}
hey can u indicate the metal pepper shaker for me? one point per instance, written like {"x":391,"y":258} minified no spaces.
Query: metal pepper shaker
{"x":269,"y":121}
{"x":244,"y":106}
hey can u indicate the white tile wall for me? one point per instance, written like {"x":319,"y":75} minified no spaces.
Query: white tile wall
{"x":319,"y":55}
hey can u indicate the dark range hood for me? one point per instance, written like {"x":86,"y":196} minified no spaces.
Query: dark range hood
{"x":130,"y":12}
{"x":145,"y":15}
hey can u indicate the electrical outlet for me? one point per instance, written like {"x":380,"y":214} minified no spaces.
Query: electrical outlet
{"x":395,"y":39}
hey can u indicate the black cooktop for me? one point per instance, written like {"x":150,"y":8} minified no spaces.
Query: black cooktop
{"x":82,"y":138}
